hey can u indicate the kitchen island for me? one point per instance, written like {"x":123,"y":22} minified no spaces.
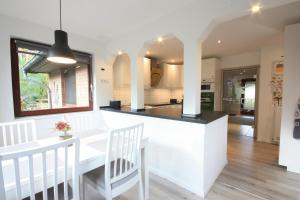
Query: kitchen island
{"x":191,"y":152}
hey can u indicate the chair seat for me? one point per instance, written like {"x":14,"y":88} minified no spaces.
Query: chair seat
{"x":97,"y":176}
{"x":50,"y":193}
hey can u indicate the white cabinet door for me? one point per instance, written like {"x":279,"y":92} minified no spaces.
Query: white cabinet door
{"x":147,"y":73}
{"x":172,"y":76}
{"x":208,"y":70}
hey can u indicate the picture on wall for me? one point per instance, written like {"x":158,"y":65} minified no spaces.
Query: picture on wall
{"x":277,"y":82}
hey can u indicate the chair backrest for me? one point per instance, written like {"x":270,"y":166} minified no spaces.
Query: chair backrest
{"x":37,"y":169}
{"x":17,"y":132}
{"x":123,"y":149}
{"x":81,"y":122}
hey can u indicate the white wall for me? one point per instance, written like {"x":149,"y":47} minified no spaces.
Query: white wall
{"x":11,"y":27}
{"x":267,"y":121}
{"x":241,"y":60}
{"x":290,"y":147}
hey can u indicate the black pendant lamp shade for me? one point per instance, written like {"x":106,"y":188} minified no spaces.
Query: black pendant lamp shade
{"x":60,"y":52}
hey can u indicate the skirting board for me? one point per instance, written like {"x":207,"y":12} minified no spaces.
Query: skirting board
{"x":177,"y":182}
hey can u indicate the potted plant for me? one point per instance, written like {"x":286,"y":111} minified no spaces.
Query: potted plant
{"x":63,"y":128}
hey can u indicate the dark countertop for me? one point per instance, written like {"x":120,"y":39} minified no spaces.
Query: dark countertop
{"x":172,"y":112}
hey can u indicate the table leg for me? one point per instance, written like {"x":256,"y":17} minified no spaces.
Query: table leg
{"x":146,"y":171}
{"x":81,"y":188}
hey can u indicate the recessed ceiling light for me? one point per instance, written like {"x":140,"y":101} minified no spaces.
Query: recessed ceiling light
{"x":148,"y":52}
{"x":160,"y":39}
{"x":256,"y":8}
{"x":120,"y":52}
{"x":219,"y":41}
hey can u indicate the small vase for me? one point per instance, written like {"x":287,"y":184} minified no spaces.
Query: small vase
{"x":64,"y":135}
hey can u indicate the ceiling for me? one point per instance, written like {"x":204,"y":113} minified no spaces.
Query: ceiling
{"x":244,"y":34}
{"x":100,"y":19}
{"x":251,"y":32}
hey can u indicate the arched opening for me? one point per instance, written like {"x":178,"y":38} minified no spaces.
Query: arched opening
{"x":121,"y":79}
{"x":163,"y":71}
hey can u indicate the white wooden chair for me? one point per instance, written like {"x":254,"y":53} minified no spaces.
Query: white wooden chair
{"x":122,"y":166}
{"x":82,"y":122}
{"x":38,"y":169}
{"x":17,"y":132}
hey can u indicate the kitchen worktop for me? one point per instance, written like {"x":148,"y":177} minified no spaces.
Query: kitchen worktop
{"x":173,"y":112}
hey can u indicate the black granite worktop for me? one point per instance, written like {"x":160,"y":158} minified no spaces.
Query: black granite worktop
{"x":173,"y":112}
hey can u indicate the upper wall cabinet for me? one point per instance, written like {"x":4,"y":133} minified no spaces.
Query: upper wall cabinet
{"x":147,"y":73}
{"x":172,"y":76}
{"x":209,"y":69}
{"x":121,"y":72}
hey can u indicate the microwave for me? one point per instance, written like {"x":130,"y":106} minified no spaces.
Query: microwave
{"x":207,"y":87}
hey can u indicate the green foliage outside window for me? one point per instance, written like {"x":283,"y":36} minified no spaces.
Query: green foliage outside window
{"x":33,"y":86}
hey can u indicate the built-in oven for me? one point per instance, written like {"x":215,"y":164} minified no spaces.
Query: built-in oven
{"x":207,"y":101}
{"x":207,"y":87}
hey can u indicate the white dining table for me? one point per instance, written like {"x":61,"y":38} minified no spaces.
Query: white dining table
{"x":92,"y":155}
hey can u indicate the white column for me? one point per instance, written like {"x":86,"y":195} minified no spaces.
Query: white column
{"x":192,"y":78}
{"x":137,"y":82}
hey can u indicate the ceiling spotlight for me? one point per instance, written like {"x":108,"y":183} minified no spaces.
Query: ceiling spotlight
{"x":120,"y":53}
{"x":159,"y":39}
{"x":256,"y":8}
{"x":219,"y":41}
{"x":147,"y":52}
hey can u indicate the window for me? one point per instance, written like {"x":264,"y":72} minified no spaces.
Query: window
{"x":41,"y":87}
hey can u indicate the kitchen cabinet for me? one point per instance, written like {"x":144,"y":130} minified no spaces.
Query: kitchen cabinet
{"x":211,"y":72}
{"x":172,"y":76}
{"x":209,"y":69}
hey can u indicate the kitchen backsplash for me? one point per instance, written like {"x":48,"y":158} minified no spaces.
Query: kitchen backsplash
{"x":152,"y":96}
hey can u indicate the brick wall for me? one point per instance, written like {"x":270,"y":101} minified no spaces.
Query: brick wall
{"x":56,"y":86}
{"x":82,"y":86}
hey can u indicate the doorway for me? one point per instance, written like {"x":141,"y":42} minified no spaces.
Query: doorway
{"x":239,"y":97}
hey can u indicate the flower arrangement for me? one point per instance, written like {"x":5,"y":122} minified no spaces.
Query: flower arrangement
{"x":277,"y":83}
{"x":64,"y":127}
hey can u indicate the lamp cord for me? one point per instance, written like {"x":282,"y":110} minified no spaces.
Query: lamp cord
{"x":60,"y":21}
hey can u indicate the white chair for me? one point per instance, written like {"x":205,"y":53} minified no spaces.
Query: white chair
{"x":28,"y":173}
{"x":82,"y":122}
{"x":122,"y":168}
{"x":17,"y":132}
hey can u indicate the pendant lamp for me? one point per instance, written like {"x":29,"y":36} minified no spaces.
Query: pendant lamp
{"x":60,"y":51}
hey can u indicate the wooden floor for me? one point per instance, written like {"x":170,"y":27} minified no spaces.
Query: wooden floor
{"x":252,"y":173}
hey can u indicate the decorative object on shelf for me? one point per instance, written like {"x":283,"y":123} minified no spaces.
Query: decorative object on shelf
{"x":63,"y":128}
{"x":297,"y":122}
{"x":60,"y":51}
{"x":276,"y":82}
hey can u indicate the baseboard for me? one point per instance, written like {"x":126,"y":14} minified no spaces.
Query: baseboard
{"x":178,"y":182}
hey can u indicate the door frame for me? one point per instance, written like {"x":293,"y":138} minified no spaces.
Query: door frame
{"x":257,"y":67}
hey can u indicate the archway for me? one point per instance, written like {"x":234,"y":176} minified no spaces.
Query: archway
{"x":121,"y":79}
{"x":163,"y":70}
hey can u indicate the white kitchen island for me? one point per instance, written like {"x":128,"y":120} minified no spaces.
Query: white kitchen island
{"x":188,"y":152}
